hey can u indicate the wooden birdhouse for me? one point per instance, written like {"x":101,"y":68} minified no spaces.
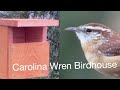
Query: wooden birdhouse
{"x":24,"y":49}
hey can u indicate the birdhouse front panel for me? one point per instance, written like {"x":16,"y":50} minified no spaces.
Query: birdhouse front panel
{"x":28,"y":52}
{"x":29,"y":60}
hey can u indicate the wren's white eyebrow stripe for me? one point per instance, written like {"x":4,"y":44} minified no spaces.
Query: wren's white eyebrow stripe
{"x":94,"y":28}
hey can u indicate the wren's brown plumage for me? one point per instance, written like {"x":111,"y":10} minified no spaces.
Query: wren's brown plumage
{"x":100,"y":45}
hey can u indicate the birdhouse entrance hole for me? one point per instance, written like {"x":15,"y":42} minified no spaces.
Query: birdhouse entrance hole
{"x":28,"y":34}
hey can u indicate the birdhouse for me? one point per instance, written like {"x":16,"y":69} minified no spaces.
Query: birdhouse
{"x":24,"y":48}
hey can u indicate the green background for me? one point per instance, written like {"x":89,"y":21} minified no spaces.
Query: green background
{"x":70,"y":48}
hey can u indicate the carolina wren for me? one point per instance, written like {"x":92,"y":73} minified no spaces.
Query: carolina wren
{"x":100,"y":45}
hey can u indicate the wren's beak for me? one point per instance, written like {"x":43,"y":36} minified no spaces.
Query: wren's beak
{"x":72,"y":28}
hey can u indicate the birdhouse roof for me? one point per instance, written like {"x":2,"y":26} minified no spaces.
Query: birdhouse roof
{"x":28,"y":22}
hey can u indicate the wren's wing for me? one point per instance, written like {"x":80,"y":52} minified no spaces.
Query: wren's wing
{"x":112,"y":46}
{"x":110,"y":50}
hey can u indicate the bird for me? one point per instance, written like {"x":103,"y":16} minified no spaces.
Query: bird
{"x":100,"y":44}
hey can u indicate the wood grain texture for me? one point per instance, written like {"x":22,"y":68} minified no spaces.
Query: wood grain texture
{"x":3,"y":52}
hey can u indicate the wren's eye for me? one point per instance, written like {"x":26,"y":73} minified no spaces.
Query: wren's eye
{"x":89,"y":30}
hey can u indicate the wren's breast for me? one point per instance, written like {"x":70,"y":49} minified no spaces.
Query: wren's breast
{"x":91,"y":52}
